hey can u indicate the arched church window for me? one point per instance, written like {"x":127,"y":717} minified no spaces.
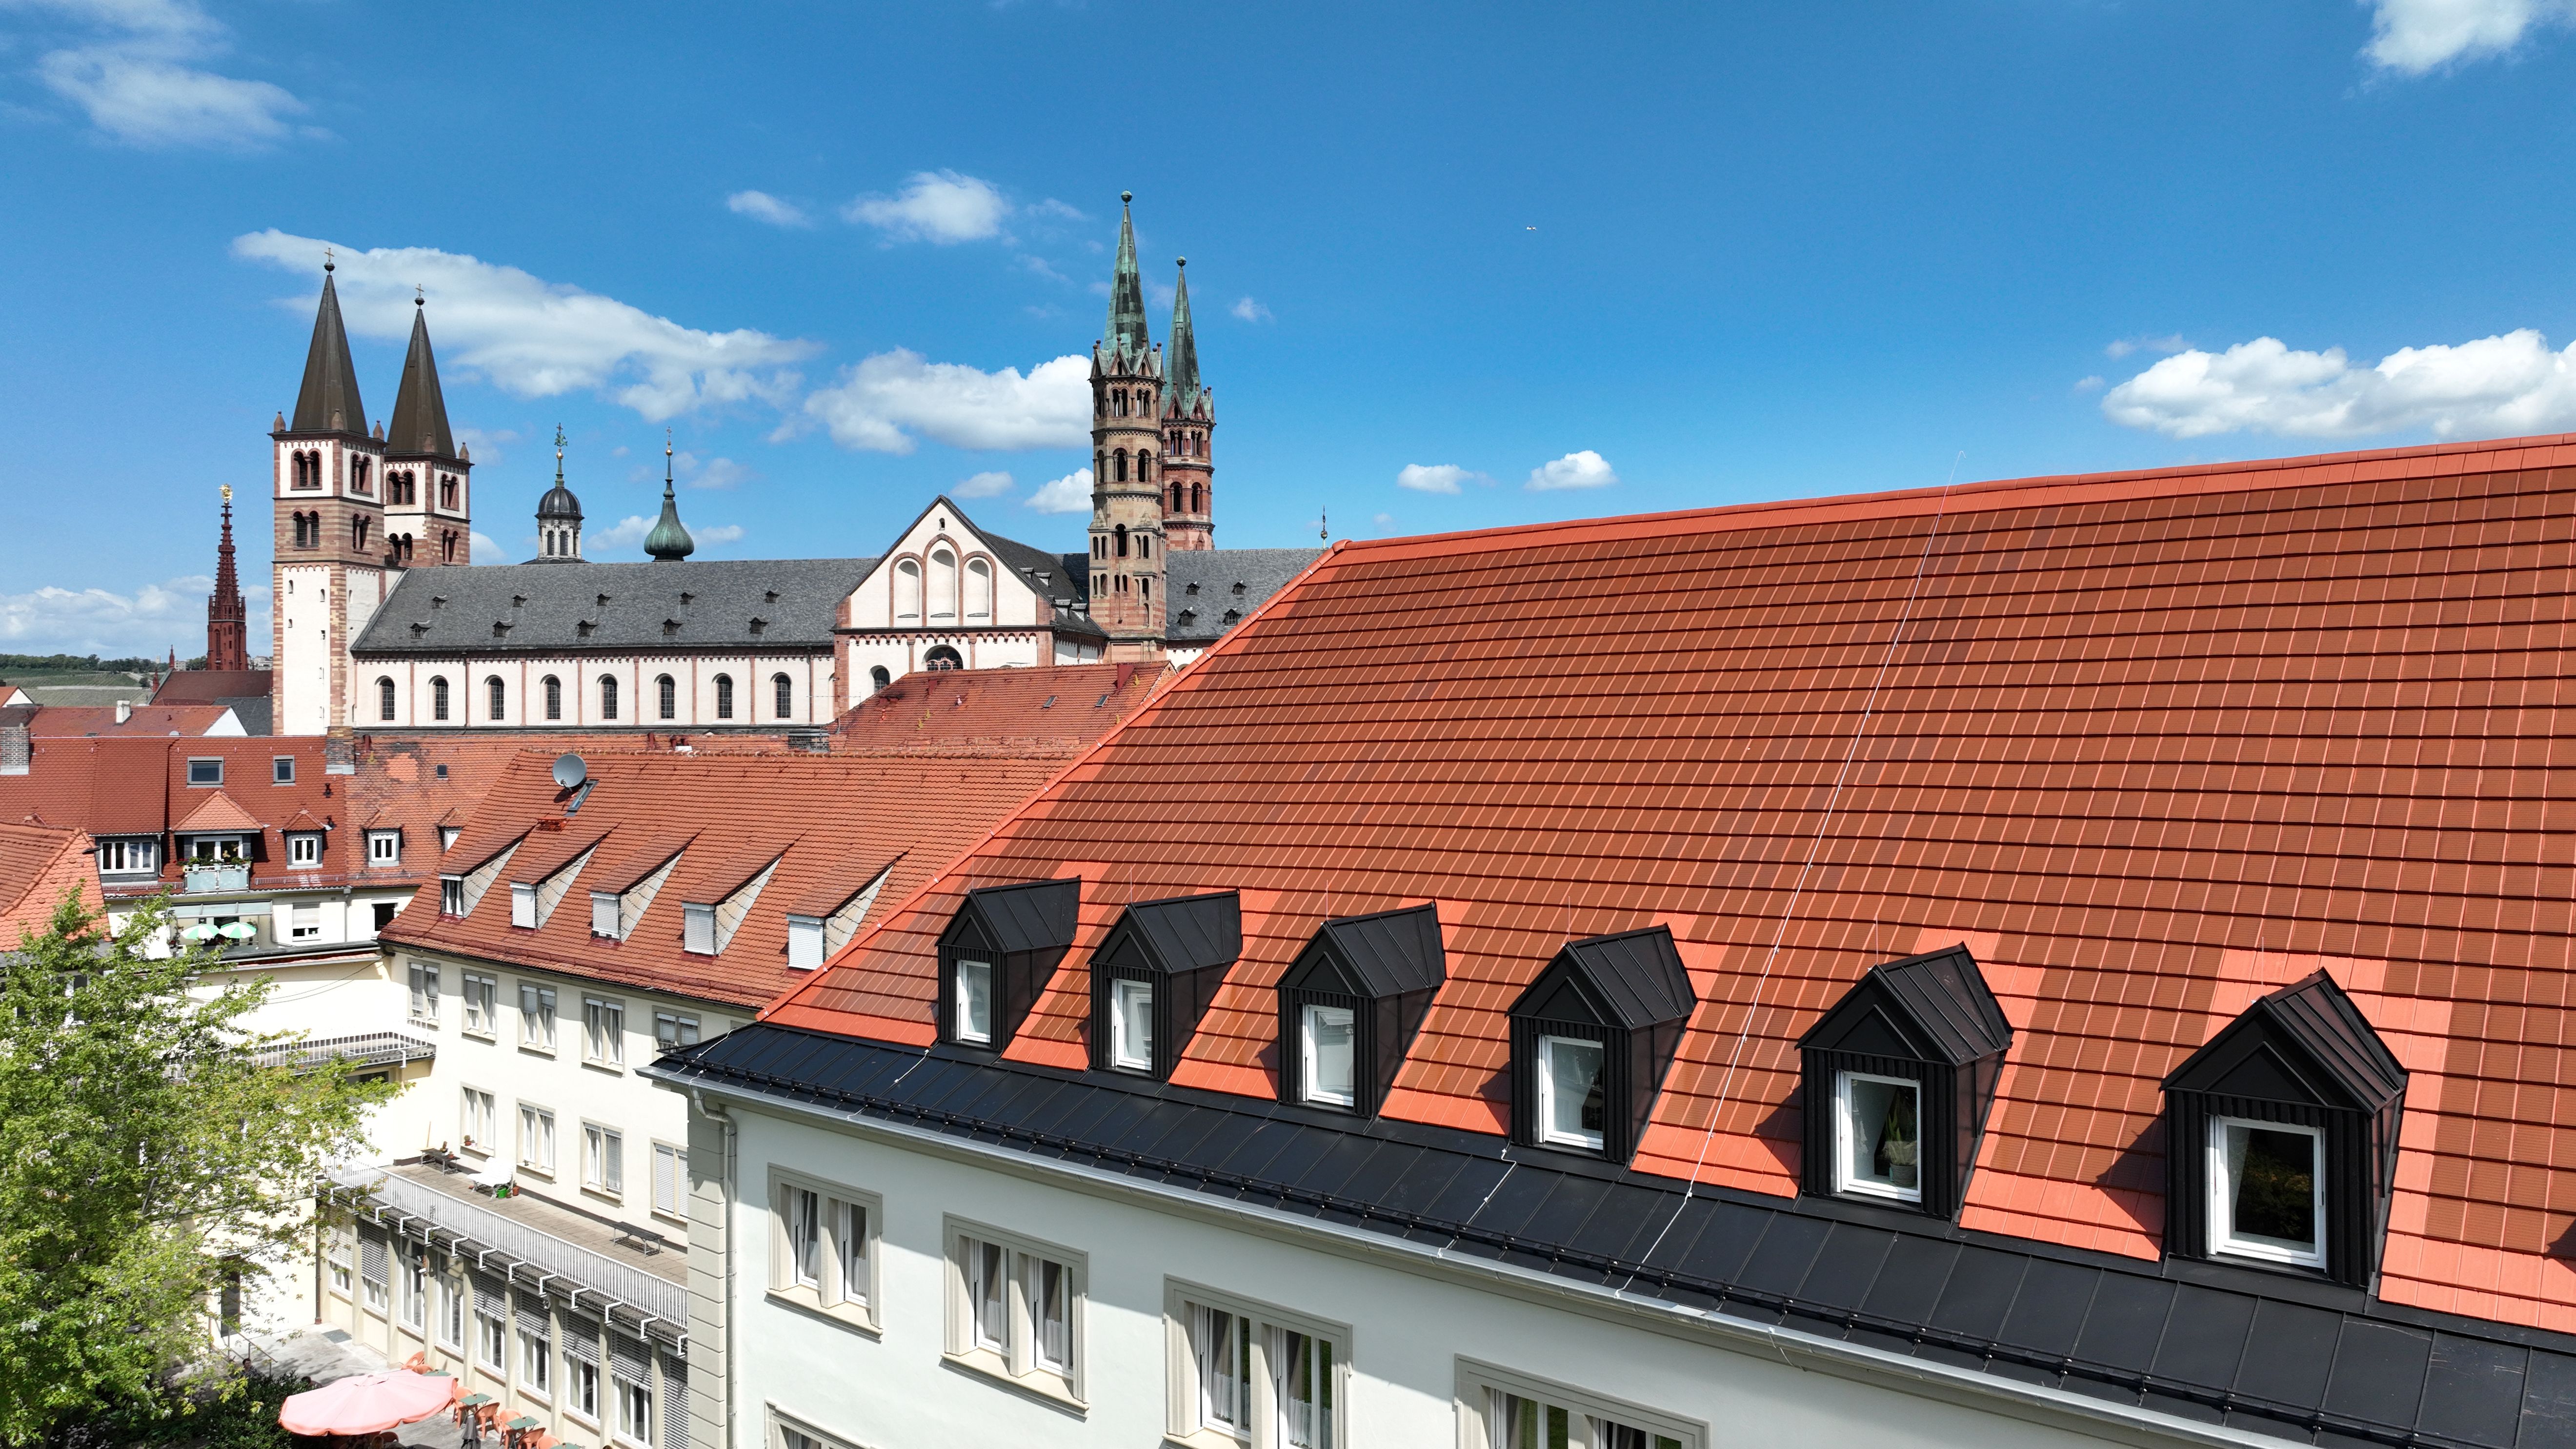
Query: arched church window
{"x":724,"y":696}
{"x":979,"y":589}
{"x":907,"y":590}
{"x":1122,"y":540}
{"x":1144,"y":467}
{"x":358,"y":479}
{"x":1118,"y":465}
{"x":385,"y":699}
{"x":1176,"y":498}
{"x":878,"y":678}
{"x":785,"y":692}
{"x":943,"y":584}
{"x":1099,"y":546}
{"x":1198,"y":498}
{"x":942,"y":657}
{"x":1144,"y":545}
{"x":669,"y":690}
{"x":447,"y":493}
{"x":608,"y":696}
{"x":493,"y":698}
{"x":554,"y":697}
{"x":438,"y":698}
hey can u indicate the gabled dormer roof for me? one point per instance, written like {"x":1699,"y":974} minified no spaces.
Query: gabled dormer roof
{"x":1185,"y":933}
{"x":1385,"y":953}
{"x":1038,"y":915}
{"x":1632,"y":980}
{"x":219,"y":814}
{"x":1931,"y":1008}
{"x":420,"y":409}
{"x":328,"y":402}
{"x":2305,"y":1043}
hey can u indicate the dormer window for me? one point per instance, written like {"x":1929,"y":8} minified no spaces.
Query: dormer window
{"x":304,"y":850}
{"x":1350,"y":1003}
{"x":1153,"y":976}
{"x":822,"y":924}
{"x":1592,"y":1038}
{"x":1899,"y":1076}
{"x":997,"y":955}
{"x":2282,"y":1138}
{"x":707,"y":927}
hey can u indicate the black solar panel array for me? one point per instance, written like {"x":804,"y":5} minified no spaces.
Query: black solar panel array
{"x":2282,"y":1360}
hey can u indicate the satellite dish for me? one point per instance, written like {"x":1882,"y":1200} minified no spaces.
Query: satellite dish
{"x":570,"y":771}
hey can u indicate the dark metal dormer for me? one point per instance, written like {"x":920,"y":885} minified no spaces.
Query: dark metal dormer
{"x":1350,"y":1004}
{"x":1591,"y":1039}
{"x":2281,"y":1138}
{"x":1900,"y":1075}
{"x":1153,"y":976}
{"x":997,"y":955}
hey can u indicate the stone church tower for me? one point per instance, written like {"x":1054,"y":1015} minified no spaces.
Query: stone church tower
{"x":227,"y":615}
{"x":352,"y":507}
{"x":1189,"y":417}
{"x":1126,"y":480}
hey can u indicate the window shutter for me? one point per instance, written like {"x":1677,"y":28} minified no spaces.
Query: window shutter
{"x":675,"y":1403}
{"x":491,"y":1296}
{"x":532,"y":1318}
{"x":629,"y":1356}
{"x":581,"y":1339}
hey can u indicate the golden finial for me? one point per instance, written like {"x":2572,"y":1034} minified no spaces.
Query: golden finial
{"x":228,"y":493}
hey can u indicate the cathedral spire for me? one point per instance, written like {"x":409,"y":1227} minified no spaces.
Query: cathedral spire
{"x":329,"y":401}
{"x":668,"y":542}
{"x":227,"y":617}
{"x":1126,"y":333}
{"x":420,"y":410}
{"x":1181,"y":368}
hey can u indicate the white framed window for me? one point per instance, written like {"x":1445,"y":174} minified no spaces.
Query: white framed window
{"x":2267,"y":1197}
{"x":583,"y":1381}
{"x":536,"y":1362}
{"x":376,"y":1290}
{"x":338,"y":1253}
{"x":304,"y":850}
{"x":474,"y":1124}
{"x":384,"y":847}
{"x":482,"y":1004}
{"x":1499,"y":1408}
{"x":1325,"y":1041}
{"x":451,"y":894}
{"x":827,"y":1247}
{"x":129,"y":857}
{"x":536,"y":1139}
{"x":1878,"y":1138}
{"x":1571,"y":1103}
{"x":415,"y":1297}
{"x":672,"y":1030}
{"x":536,"y":1016}
{"x":786,"y":1433}
{"x":605,"y":908}
{"x":1248,"y":1373}
{"x":603,"y":1159}
{"x":303,"y":922}
{"x":1131,"y":1025}
{"x":1015,"y":1308}
{"x":974,"y":1006}
{"x":697,"y":928}
{"x":670,"y":1180}
{"x":603,"y":1032}
{"x":491,"y":1337}
{"x":447,"y":833}
{"x":424,"y":992}
{"x":634,"y":1411}
{"x":451,"y":1314}
{"x":523,"y":904}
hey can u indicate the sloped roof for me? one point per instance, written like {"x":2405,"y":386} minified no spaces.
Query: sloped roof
{"x":1201,"y":586}
{"x":1037,"y":915}
{"x":1190,"y":933}
{"x":39,"y":865}
{"x":187,"y":720}
{"x":420,"y":408}
{"x":456,"y":609}
{"x":1947,"y":1012}
{"x":1634,"y":979}
{"x":2321,"y":1020}
{"x":210,"y":686}
{"x":2150,"y":744}
{"x":1061,"y":707}
{"x":218,"y":812}
{"x":328,"y":401}
{"x":1391,"y":952}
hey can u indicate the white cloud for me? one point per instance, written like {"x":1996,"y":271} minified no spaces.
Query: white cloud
{"x":2412,"y":37}
{"x":1055,"y":210}
{"x":1068,"y":494}
{"x":723,"y":473}
{"x":1251,"y":311}
{"x":880,"y":404}
{"x":1436,"y":477}
{"x":942,"y":207}
{"x":134,"y":74}
{"x":2493,"y":387}
{"x":534,"y":338}
{"x":627,"y":532}
{"x":983,"y":485}
{"x":2124,"y":346}
{"x":717,"y":533}
{"x":2088,"y":384}
{"x":151,"y":620}
{"x":1586,"y":469}
{"x":761,"y":206}
{"x":480,"y":546}
{"x":486,"y":446}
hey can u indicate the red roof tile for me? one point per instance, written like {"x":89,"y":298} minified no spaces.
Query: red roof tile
{"x":2152,"y":743}
{"x":218,"y":812}
{"x":1062,"y":707}
{"x":38,"y":867}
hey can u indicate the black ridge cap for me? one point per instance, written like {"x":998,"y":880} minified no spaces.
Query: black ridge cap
{"x":749,"y":1060}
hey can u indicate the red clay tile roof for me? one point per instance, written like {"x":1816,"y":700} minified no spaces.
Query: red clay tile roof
{"x":2151,"y":744}
{"x":218,"y":812}
{"x":832,"y":822}
{"x":65,"y":720}
{"x":188,"y":686}
{"x":38,"y":867}
{"x":1062,"y":707}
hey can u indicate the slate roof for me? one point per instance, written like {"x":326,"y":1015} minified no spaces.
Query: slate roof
{"x":1191,"y":933}
{"x":420,"y":408}
{"x":1038,"y":915}
{"x":1215,"y":573}
{"x":2150,"y":744}
{"x":1391,"y":952}
{"x":725,"y":596}
{"x":1637,"y":975}
{"x":328,"y":401}
{"x":1945,"y":1003}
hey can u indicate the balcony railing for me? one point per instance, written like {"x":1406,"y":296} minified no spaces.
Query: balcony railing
{"x":482,"y":1228}
{"x":200,"y":878}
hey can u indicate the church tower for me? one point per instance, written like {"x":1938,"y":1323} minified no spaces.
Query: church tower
{"x":429,"y":490}
{"x":327,"y":481}
{"x":227,"y":617}
{"x":1126,"y":479}
{"x":558,"y":518}
{"x":1189,"y":417}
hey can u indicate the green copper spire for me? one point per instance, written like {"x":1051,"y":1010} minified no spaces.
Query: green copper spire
{"x":1126,"y":333}
{"x":668,"y":542}
{"x":1181,"y":359}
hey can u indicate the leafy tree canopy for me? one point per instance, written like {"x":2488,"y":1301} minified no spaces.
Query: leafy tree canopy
{"x":149,"y":1146}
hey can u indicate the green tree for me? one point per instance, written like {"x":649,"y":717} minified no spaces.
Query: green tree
{"x":149,"y":1145}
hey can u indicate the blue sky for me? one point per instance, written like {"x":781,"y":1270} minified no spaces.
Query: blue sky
{"x":1452,"y":266}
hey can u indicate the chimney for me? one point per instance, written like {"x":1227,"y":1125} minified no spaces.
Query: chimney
{"x":124,"y":710}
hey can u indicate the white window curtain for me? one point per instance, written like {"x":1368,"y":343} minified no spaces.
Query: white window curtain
{"x":988,"y":1291}
{"x":851,"y":1231}
{"x":1301,"y":1379}
{"x":1051,"y":1308}
{"x":1221,"y":1346}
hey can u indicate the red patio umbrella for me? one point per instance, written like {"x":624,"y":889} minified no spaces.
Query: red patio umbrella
{"x":366,"y":1403}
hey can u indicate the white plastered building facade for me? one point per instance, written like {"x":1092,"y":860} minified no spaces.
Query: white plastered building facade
{"x":947,"y":595}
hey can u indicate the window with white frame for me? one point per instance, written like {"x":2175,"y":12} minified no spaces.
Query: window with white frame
{"x":451,"y":894}
{"x":424,"y":992}
{"x":384,"y":847}
{"x":536,"y":1361}
{"x":1878,"y":1146}
{"x":582,"y":1379}
{"x":634,"y":1410}
{"x":303,"y":922}
{"x":475,"y":1125}
{"x":1571,"y":1106}
{"x":451,"y":1314}
{"x":482,"y":1004}
{"x":537,"y":1016}
{"x":670,"y":1179}
{"x":827,"y":1247}
{"x":2267,"y":1195}
{"x":975,"y":1001}
{"x":1244,"y":1372}
{"x":786,"y":1433}
{"x":304,"y":849}
{"x":129,"y":857}
{"x":415,"y":1296}
{"x":1508,"y":1410}
{"x":1131,"y":1025}
{"x":491,"y":1336}
{"x":339,"y":1254}
{"x":603,"y":1032}
{"x":1015,"y":1308}
{"x":671,"y":1030}
{"x":603,"y":1159}
{"x":371,"y":1283}
{"x":536,"y":1139}
{"x":1324,"y":1039}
